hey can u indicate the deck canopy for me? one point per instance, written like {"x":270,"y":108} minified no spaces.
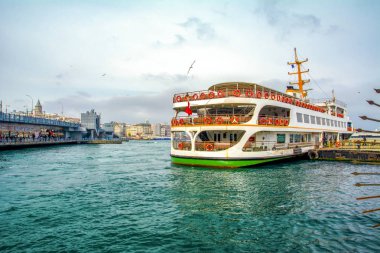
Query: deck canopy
{"x":232,"y":86}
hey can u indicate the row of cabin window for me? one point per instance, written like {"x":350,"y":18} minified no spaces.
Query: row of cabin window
{"x":309,"y":119}
{"x":294,"y":138}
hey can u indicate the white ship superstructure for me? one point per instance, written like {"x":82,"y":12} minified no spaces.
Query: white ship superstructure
{"x":238,"y":124}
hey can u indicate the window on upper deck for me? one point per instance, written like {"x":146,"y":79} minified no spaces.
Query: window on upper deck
{"x":306,"y":118}
{"x":318,"y":120}
{"x":328,"y":122}
{"x":299,"y":117}
{"x":312,"y":119}
{"x":324,"y":121}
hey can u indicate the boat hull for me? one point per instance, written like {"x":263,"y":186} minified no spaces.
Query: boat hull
{"x":223,"y":163}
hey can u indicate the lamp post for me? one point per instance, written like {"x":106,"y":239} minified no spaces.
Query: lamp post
{"x":32,"y":102}
{"x":6,"y":108}
{"x":26,"y":108}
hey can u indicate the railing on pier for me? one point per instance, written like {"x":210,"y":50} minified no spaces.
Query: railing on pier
{"x":16,"y":118}
{"x":353,"y":144}
{"x":17,"y":141}
{"x":217,"y":119}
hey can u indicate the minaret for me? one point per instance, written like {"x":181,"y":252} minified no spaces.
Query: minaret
{"x":300,"y":92}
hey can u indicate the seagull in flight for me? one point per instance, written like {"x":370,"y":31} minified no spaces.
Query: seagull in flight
{"x":190,"y":67}
{"x":104,"y":74}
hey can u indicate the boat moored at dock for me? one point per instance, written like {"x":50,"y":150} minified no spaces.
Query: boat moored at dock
{"x":240,"y":124}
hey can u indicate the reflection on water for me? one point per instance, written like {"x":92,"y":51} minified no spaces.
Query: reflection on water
{"x":130,"y":198}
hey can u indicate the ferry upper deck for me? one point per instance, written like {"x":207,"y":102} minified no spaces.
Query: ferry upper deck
{"x":236,"y":103}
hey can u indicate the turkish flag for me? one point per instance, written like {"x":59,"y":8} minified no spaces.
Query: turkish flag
{"x":188,"y":109}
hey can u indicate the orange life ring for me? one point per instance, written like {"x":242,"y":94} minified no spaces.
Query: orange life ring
{"x":286,"y":122}
{"x":220,"y":94}
{"x":219,"y":120}
{"x":174,"y":122}
{"x":337,"y":144}
{"x":234,"y":120}
{"x":211,"y":95}
{"x":258,"y":94}
{"x":249,"y":93}
{"x":181,"y":122}
{"x":270,"y":121}
{"x":283,"y":99}
{"x":277,"y":122}
{"x":195,"y":97}
{"x":178,"y":99}
{"x":237,"y":93}
{"x":281,"y":122}
{"x":263,"y":121}
{"x":272,"y":96}
{"x":266,"y":95}
{"x":279,"y":98}
{"x":180,"y":146}
{"x":202,"y":96}
{"x":209,"y":147}
{"x":207,"y":120}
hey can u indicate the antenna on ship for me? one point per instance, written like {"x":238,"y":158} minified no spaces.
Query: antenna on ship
{"x":300,"y":92}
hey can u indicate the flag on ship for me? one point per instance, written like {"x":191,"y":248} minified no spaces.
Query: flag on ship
{"x":188,"y":109}
{"x":292,"y":66}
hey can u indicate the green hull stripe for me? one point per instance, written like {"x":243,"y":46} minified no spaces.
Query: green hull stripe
{"x":221,"y":163}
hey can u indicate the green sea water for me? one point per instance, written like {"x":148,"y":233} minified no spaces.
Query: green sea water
{"x":130,"y":198}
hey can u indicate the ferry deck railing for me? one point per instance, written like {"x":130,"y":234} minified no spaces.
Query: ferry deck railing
{"x":258,"y":146}
{"x":214,"y":119}
{"x":269,"y":120}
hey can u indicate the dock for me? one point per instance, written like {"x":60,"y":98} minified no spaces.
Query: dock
{"x":358,"y":152}
{"x":117,"y":141}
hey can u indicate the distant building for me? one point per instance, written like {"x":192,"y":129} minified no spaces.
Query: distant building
{"x":38,"y":109}
{"x":165,"y":130}
{"x":156,"y":129}
{"x":131,"y":131}
{"x":91,"y":121}
{"x":119,"y":129}
{"x":108,"y":129}
{"x":139,"y":131}
{"x":161,"y":129}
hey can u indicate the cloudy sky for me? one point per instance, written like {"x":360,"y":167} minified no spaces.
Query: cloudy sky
{"x":125,"y":59}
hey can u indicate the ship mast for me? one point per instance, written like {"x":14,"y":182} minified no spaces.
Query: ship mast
{"x":300,"y":91}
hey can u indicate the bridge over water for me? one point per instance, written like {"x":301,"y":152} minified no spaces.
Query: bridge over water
{"x":20,"y":126}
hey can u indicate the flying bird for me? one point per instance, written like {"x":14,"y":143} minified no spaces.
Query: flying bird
{"x":190,"y":67}
{"x":104,"y":74}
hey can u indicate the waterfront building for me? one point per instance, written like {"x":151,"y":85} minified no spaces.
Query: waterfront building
{"x":156,"y":129}
{"x":130,"y":131}
{"x":119,"y":129}
{"x":165,"y":130}
{"x":91,"y":121}
{"x":108,"y":129}
{"x":139,"y":131}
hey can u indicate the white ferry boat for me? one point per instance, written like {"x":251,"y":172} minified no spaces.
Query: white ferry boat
{"x":240,"y":124}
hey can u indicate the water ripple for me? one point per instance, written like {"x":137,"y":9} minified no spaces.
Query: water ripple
{"x":129,"y":198}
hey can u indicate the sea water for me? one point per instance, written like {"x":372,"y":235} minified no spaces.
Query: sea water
{"x":130,"y":198}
